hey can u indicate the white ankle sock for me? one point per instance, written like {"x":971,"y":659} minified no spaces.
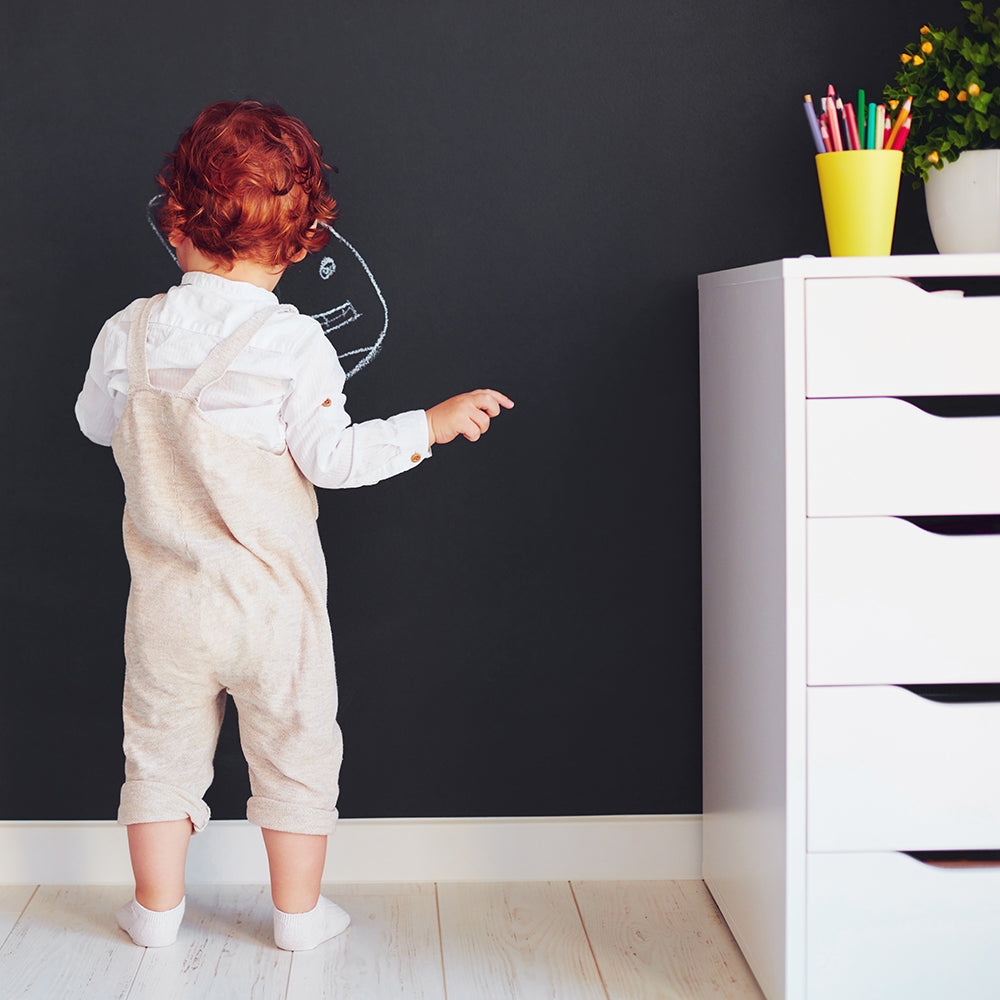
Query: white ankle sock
{"x":151,"y":928}
{"x":303,"y":931}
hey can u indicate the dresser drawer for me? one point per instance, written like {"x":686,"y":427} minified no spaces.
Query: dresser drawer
{"x":888,"y":337}
{"x":888,"y":769}
{"x":893,"y":603}
{"x":887,"y":456}
{"x":888,"y":927}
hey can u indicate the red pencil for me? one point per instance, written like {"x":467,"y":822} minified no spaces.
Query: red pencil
{"x":852,"y":126}
{"x":904,"y":131}
{"x":904,"y":114}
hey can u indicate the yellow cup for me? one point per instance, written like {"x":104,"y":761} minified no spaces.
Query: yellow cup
{"x":859,"y":189}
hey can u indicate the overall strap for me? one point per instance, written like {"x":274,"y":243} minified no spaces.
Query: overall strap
{"x":225,"y":353}
{"x":135,"y":349}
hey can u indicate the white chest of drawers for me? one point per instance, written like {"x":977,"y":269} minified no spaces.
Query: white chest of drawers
{"x":851,"y":595}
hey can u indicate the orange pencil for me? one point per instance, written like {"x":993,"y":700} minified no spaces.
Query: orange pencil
{"x":904,"y":113}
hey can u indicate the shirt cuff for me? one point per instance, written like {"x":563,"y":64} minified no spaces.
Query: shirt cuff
{"x":414,"y":434}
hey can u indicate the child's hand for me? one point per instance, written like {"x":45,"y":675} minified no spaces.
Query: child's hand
{"x":468,"y":414}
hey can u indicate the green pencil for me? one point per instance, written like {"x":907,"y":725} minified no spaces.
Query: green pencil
{"x":862,"y":110}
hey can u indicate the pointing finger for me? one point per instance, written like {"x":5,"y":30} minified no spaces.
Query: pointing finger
{"x":500,"y":398}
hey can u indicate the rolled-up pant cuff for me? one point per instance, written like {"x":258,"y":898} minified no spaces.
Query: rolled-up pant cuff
{"x":157,"y":802}
{"x":290,"y":817}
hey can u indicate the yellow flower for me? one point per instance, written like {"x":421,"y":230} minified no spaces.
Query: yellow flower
{"x":918,"y":60}
{"x":961,"y":96}
{"x":905,"y":57}
{"x":943,"y":95}
{"x":933,"y":157}
{"x":893,"y":104}
{"x":925,"y":30}
{"x":927,"y":47}
{"x":973,"y":89}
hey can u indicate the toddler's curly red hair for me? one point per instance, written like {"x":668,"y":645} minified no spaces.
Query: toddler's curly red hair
{"x":246,"y":182}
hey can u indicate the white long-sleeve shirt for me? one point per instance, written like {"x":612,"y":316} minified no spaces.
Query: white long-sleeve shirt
{"x":286,"y":389}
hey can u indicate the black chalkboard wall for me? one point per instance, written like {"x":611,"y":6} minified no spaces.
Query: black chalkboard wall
{"x":535,"y":186}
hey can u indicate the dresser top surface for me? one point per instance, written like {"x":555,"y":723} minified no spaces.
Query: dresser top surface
{"x":915,"y":266}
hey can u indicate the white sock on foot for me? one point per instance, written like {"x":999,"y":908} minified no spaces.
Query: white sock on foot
{"x":151,"y":928}
{"x":303,"y":931}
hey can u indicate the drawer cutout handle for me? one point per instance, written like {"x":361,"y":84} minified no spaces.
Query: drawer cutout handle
{"x":959,"y":524}
{"x":957,"y":859}
{"x":956,"y":406}
{"x":955,"y":694}
{"x":972,"y":286}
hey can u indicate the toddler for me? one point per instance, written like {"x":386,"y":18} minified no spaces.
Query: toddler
{"x":223,"y":409}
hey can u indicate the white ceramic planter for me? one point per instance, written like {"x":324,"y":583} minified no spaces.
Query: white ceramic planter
{"x":963,"y":203}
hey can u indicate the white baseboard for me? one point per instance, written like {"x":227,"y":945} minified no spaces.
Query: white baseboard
{"x":378,"y":850}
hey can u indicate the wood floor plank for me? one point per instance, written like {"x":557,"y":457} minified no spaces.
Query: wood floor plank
{"x":391,"y":951}
{"x":522,"y":941}
{"x":225,"y":949}
{"x":67,"y":945}
{"x":663,"y":941}
{"x":13,"y":900}
{"x":337,"y":889}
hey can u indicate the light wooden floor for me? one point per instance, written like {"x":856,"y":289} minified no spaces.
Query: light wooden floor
{"x":449,"y":941}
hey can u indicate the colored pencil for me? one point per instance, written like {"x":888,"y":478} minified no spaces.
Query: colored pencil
{"x":870,"y":140}
{"x":904,"y":131}
{"x":825,"y":133}
{"x":832,"y":124}
{"x":852,"y":126}
{"x":904,"y":113}
{"x":862,"y":118}
{"x":879,"y":126}
{"x":810,"y":109}
{"x":842,"y":122}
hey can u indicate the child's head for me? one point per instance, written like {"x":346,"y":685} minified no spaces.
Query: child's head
{"x":246,"y":182}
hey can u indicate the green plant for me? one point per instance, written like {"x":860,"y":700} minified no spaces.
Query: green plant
{"x":953,"y":78}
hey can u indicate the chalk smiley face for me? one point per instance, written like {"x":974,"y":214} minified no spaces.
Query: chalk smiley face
{"x":339,"y":291}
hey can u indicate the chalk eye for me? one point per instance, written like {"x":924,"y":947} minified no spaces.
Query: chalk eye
{"x":326,"y":267}
{"x":327,"y":402}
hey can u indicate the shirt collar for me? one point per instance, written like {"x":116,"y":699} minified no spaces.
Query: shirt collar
{"x":242,"y":290}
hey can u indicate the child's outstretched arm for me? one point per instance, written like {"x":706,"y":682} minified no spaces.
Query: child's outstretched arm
{"x":468,"y":414}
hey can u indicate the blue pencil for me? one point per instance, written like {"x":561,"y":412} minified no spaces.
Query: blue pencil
{"x":813,"y":123}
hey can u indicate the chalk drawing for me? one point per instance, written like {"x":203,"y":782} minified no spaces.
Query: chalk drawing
{"x":151,"y":206}
{"x":343,"y":318}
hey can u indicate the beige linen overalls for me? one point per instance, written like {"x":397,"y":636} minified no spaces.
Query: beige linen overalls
{"x":228,"y":594}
